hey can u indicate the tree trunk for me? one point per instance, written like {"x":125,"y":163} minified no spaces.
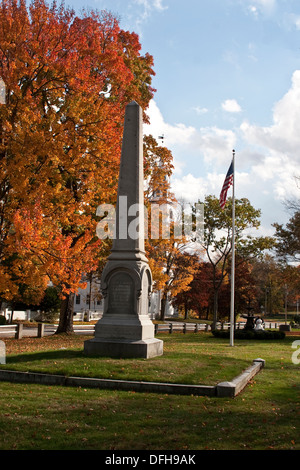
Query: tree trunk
{"x":163,"y":307}
{"x":186,"y":310}
{"x":215,"y":311}
{"x":207,"y":313}
{"x":66,"y":315}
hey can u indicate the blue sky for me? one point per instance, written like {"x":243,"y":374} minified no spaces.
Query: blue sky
{"x":227,"y":77}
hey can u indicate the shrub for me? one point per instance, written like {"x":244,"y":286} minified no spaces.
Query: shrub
{"x":250,"y":334}
{"x":296,"y":321}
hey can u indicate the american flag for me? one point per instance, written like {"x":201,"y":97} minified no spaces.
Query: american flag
{"x":226,"y":185}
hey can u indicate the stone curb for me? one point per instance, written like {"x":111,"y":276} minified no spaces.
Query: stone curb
{"x":150,"y":387}
{"x":223,"y":389}
{"x":231,"y":389}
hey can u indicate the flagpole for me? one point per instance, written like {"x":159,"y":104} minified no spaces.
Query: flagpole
{"x":233,"y":255}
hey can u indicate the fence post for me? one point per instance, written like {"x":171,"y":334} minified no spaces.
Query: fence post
{"x":41,"y":329}
{"x":196,"y":327}
{"x":155,"y":328}
{"x":184,"y":328}
{"x":171,"y":328}
{"x":206,"y":327}
{"x":19,"y":331}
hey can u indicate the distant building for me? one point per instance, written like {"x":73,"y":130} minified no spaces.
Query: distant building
{"x":88,"y":303}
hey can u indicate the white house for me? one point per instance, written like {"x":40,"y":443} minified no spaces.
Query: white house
{"x":88,"y":303}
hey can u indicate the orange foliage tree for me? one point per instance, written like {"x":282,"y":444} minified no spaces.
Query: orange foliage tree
{"x":197,"y":299}
{"x":68,"y":80}
{"x":172,"y":268}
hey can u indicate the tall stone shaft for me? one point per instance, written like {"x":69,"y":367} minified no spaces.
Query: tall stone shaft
{"x":129,"y":236}
{"x":125,"y":330}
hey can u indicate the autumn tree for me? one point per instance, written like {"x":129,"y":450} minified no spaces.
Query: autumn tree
{"x":166,"y":245}
{"x":288,"y":239}
{"x":158,"y":166}
{"x":268,"y":273}
{"x":198,"y":297}
{"x":217,"y":238}
{"x":247,"y":290}
{"x":174,"y":268}
{"x":288,"y":250}
{"x":68,"y":80}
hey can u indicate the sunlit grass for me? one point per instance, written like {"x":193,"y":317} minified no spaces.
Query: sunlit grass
{"x":264,"y":416}
{"x":191,"y":359}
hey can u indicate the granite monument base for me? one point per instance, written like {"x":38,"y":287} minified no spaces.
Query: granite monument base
{"x":124,"y":336}
{"x":145,"y":349}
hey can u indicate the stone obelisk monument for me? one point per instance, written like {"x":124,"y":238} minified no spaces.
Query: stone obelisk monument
{"x":125,"y":329}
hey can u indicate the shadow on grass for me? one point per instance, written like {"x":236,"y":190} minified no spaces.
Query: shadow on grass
{"x":202,"y":360}
{"x":182,"y":368}
{"x":71,"y":354}
{"x":45,"y":355}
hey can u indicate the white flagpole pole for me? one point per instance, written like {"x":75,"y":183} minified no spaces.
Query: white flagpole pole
{"x":233,"y":256}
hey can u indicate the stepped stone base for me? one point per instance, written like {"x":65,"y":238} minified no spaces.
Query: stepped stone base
{"x":124,"y":348}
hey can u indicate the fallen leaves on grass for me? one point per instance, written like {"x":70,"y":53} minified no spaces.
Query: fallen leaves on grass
{"x":28,"y":345}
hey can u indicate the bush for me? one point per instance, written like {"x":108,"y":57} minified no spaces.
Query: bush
{"x":296,"y":322}
{"x":250,"y":334}
{"x":48,"y":317}
{"x":2,"y":320}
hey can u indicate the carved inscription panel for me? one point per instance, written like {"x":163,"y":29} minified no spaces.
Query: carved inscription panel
{"x":121,"y":294}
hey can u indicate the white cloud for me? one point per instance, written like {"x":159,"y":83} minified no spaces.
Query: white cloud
{"x":267,"y":157}
{"x":252,"y":10}
{"x":176,"y":134}
{"x":231,"y":106}
{"x":191,"y":189}
{"x":232,"y":58}
{"x":252,"y":52}
{"x":177,"y":137}
{"x":291,"y":20}
{"x":148,"y":7}
{"x":214,"y":145}
{"x":263,"y":6}
{"x":284,"y":135}
{"x":266,"y":4}
{"x":200,"y":110}
{"x":297,"y":21}
{"x":158,"y":5}
{"x":138,"y":12}
{"x":279,"y":144}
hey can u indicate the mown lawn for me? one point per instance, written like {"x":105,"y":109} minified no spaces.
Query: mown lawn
{"x":264,"y":416}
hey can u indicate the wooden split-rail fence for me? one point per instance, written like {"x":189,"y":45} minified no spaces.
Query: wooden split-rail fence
{"x":18,"y":330}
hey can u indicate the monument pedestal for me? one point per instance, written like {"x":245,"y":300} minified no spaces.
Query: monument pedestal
{"x":125,"y":330}
{"x":144,"y":349}
{"x":124,"y":335}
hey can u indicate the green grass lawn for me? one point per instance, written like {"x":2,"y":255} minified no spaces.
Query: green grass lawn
{"x":191,"y":359}
{"x":264,"y":416}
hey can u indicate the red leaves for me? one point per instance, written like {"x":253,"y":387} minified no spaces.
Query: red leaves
{"x":60,"y":156}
